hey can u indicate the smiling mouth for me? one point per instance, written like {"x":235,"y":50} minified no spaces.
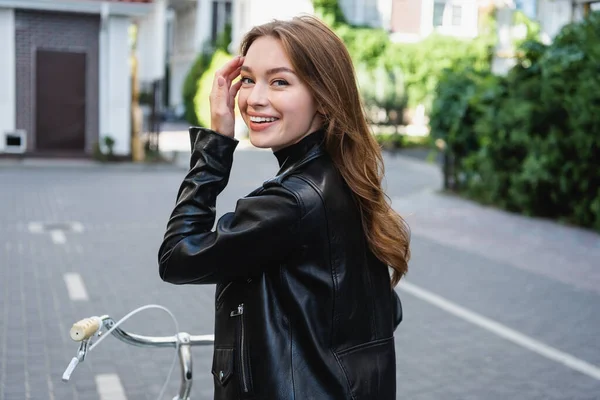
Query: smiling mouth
{"x":263,"y":120}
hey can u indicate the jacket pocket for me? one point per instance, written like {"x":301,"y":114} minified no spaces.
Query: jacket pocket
{"x":370,"y":369}
{"x":222,"y":367}
{"x":243,"y":359}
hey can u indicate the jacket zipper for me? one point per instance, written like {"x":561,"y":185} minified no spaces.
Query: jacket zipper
{"x":240,"y":313}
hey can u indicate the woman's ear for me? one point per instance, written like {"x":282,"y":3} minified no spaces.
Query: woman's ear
{"x":321,"y":111}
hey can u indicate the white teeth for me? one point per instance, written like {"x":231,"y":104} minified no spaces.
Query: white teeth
{"x":262,"y":119}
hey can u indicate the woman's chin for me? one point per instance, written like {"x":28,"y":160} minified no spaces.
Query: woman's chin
{"x":257,"y":141}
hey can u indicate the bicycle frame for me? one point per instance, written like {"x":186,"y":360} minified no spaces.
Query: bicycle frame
{"x":182,"y":341}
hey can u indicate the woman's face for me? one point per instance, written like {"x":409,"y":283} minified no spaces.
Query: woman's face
{"x":277,"y":107}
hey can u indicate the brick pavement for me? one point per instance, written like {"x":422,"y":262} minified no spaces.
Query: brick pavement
{"x":124,"y":210}
{"x":568,"y":254}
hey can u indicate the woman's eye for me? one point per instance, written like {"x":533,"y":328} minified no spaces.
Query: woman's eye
{"x":280,"y":82}
{"x":246,"y":80}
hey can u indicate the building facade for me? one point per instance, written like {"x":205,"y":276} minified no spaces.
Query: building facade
{"x":413,"y":20}
{"x":65,"y":76}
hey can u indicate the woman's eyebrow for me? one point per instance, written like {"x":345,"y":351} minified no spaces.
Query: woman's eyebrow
{"x":270,"y":71}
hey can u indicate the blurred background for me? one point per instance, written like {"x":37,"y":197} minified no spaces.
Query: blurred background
{"x":488,"y":115}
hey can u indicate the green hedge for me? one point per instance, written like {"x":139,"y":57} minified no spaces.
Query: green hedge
{"x":190,"y":86}
{"x":201,"y":99}
{"x":421,"y":63}
{"x":198,"y":80}
{"x":529,"y":141}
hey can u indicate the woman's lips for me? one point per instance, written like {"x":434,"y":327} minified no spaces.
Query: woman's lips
{"x":261,"y":126}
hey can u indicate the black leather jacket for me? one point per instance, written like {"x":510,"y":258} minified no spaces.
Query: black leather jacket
{"x":303,"y":308}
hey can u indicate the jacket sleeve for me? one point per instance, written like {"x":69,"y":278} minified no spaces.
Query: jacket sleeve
{"x":259,"y":231}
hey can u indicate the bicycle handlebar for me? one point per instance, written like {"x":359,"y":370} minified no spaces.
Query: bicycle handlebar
{"x":88,"y":327}
{"x":84,"y":330}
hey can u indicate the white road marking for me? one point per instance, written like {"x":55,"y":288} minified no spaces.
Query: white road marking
{"x":109,"y":387}
{"x":58,"y":237}
{"x":35,"y":227}
{"x":75,"y":287}
{"x":503,"y":331}
{"x":77,"y":227}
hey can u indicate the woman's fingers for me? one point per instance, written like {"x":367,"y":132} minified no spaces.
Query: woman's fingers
{"x":228,"y":73}
{"x":234,"y":90}
{"x":230,"y":68}
{"x":222,"y":97}
{"x":234,"y":74}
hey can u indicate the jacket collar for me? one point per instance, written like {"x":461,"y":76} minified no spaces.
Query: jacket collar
{"x":293,"y":153}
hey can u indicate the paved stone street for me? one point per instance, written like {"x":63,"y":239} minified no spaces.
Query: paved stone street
{"x":496,"y":306}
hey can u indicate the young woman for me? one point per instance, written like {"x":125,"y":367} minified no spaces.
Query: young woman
{"x":305,"y":306}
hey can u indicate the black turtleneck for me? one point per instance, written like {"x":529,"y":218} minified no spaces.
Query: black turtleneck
{"x":294,"y":152}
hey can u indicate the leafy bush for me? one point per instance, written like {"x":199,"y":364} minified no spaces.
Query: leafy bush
{"x":395,"y":141}
{"x":190,"y":86}
{"x":224,"y":38}
{"x":390,"y":141}
{"x":382,"y":89}
{"x":530,"y":141}
{"x":571,"y":89}
{"x":329,"y":11}
{"x":424,"y":62}
{"x":421,"y":63}
{"x":366,"y":45}
{"x":201,"y":98}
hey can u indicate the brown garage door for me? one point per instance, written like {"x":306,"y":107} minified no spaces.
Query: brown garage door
{"x":60,"y":101}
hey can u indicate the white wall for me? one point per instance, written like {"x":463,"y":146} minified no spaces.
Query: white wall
{"x":7,"y":73}
{"x":426,"y":17}
{"x":151,"y":47}
{"x":180,"y":66}
{"x":249,"y":13}
{"x":553,"y":15}
{"x":469,"y":19}
{"x":185,"y":47}
{"x":203,"y":23}
{"x":115,"y":83}
{"x":385,"y":13}
{"x":184,"y":31}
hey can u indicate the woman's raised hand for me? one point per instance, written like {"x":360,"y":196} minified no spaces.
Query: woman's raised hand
{"x":222,"y":97}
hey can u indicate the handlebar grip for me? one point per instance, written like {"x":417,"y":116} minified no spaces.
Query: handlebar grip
{"x":84,"y":329}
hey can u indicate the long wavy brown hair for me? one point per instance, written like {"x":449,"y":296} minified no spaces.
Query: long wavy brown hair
{"x":321,"y":60}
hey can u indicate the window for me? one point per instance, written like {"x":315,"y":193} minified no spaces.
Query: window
{"x":456,"y":15}
{"x":438,"y":13}
{"x":528,"y":7}
{"x":221,"y":16}
{"x":447,"y":13}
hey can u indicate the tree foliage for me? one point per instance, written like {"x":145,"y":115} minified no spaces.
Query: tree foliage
{"x":530,"y":141}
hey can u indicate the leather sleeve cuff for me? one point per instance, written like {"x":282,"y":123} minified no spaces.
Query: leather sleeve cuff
{"x":196,"y":131}
{"x":221,"y":147}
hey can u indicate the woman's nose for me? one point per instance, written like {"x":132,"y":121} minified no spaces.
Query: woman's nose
{"x":258,"y":96}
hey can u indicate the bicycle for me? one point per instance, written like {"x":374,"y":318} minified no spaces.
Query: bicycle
{"x":85,"y":330}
